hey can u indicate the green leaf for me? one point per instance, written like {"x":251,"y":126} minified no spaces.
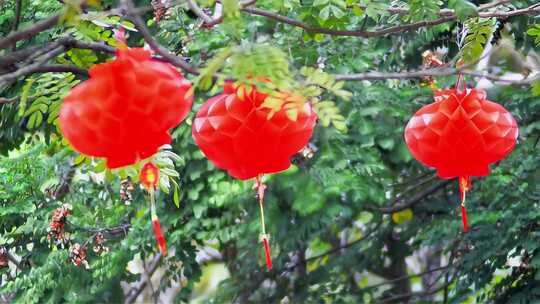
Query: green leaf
{"x":479,"y":31}
{"x":325,"y":12}
{"x":357,"y":10}
{"x":535,"y":32}
{"x":176,"y":196}
{"x":34,"y":120}
{"x":321,"y":2}
{"x":169,"y":172}
{"x":536,"y":88}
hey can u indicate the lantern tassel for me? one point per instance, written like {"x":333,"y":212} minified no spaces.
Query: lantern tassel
{"x":149,"y":178}
{"x":268,"y":256}
{"x":162,"y":243}
{"x":260,"y":187}
{"x":464,"y":186}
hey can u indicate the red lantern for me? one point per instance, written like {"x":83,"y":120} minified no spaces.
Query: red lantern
{"x":239,"y":135}
{"x":460,"y":135}
{"x":124,"y":111}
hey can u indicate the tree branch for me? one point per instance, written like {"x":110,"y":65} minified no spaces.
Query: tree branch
{"x":353,"y":33}
{"x":414,"y":294}
{"x":134,"y":292}
{"x":34,"y":67}
{"x":18,"y":12}
{"x":493,"y":4}
{"x":336,"y":249}
{"x":70,"y":43}
{"x":199,"y":12}
{"x":38,"y":68}
{"x":431,"y":72}
{"x":143,"y":30}
{"x":122,"y":229}
{"x":414,"y":199}
{"x":10,"y":257}
{"x":448,"y":16}
{"x":29,"y":32}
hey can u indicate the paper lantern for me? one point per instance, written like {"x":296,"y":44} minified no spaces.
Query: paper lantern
{"x":239,"y":135}
{"x":460,"y":135}
{"x":124,"y":111}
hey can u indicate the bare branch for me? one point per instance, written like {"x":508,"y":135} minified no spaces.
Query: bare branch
{"x":20,"y":55}
{"x":336,"y":249}
{"x":143,"y":30}
{"x":134,"y":292}
{"x":218,"y":18}
{"x":414,"y":199}
{"x":199,"y":12}
{"x":493,"y":4}
{"x":29,"y":32}
{"x":122,"y":229}
{"x":4,"y":251}
{"x":352,"y":33}
{"x":18,"y":13}
{"x":414,"y":294}
{"x":431,"y":72}
{"x":448,"y":16}
{"x":408,"y":276}
{"x":41,"y":68}
{"x":69,"y":43}
{"x":32,"y":68}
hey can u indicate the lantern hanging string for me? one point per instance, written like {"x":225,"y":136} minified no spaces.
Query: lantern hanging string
{"x":461,"y":85}
{"x":464,"y":186}
{"x":461,"y":35}
{"x":260,"y":187}
{"x":120,"y":37}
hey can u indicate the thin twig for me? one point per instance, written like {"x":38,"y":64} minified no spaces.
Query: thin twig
{"x":400,"y":204}
{"x":122,"y":229}
{"x":69,"y":43}
{"x":431,"y":72}
{"x":13,"y":260}
{"x":150,"y":284}
{"x":407,"y":277}
{"x":409,"y":295}
{"x":29,"y":32}
{"x":134,"y":292}
{"x":336,"y":249}
{"x":199,"y":12}
{"x":531,"y":10}
{"x":493,"y":4}
{"x":18,"y":13}
{"x":38,"y":68}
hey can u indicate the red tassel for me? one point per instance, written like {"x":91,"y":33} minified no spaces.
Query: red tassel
{"x":464,"y":186}
{"x":267,"y":251}
{"x":162,"y":244}
{"x":464,"y":218}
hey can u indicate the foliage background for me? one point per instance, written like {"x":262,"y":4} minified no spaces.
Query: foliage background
{"x":359,"y":222}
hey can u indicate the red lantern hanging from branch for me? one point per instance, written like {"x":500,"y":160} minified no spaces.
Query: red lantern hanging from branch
{"x":460,"y":135}
{"x":124,"y":111}
{"x":238,"y":134}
